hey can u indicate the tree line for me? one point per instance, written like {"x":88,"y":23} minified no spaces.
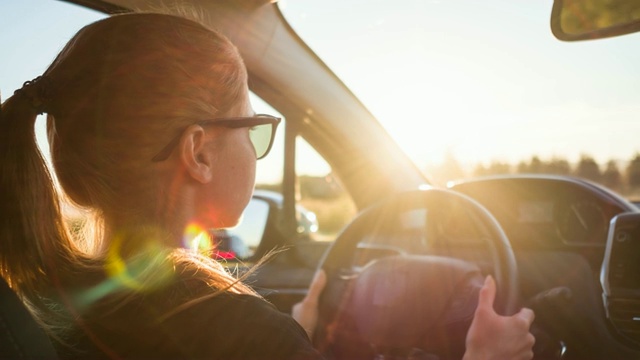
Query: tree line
{"x":620,"y":176}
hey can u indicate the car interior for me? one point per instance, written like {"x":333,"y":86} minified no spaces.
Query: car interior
{"x":406,"y":260}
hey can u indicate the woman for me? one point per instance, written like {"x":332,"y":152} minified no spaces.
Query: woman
{"x":151,"y":130}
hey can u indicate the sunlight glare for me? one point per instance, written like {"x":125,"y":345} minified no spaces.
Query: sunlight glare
{"x":197,"y":239}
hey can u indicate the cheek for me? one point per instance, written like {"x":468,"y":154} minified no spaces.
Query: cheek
{"x":242,"y":167}
{"x":232,"y":196}
{"x":241,"y":181}
{"x":233,"y":185}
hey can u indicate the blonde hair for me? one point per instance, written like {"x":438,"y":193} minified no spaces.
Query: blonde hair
{"x":117,"y":92}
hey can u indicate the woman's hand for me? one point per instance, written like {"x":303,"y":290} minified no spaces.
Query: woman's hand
{"x":306,"y":311}
{"x":492,"y":336}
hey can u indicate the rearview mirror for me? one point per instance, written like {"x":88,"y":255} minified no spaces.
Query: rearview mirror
{"x":573,"y":20}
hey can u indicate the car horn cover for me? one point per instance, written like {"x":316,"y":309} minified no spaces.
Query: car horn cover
{"x":407,"y":301}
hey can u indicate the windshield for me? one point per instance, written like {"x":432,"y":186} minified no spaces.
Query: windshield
{"x":470,"y":87}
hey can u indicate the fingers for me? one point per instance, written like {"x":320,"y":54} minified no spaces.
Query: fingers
{"x":487,"y":293}
{"x":525,"y":318}
{"x":527,"y":315}
{"x":317,"y":285}
{"x":525,"y":352}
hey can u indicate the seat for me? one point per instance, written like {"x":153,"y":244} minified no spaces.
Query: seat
{"x":21,"y":337}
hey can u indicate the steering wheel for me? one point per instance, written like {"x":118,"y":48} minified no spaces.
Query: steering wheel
{"x":408,"y":302}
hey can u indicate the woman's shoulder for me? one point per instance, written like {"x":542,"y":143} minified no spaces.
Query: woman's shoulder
{"x":186,"y":321}
{"x":246,"y":327}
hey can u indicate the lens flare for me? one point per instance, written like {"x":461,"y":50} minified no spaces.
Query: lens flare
{"x":144,"y":267}
{"x":136,"y":261}
{"x":197,"y":239}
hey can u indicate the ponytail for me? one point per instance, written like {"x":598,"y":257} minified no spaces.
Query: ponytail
{"x":34,"y":242}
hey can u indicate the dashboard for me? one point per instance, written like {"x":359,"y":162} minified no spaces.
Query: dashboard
{"x":536,"y":212}
{"x":548,"y":212}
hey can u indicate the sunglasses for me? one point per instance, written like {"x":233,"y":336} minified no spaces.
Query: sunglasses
{"x":262,"y":132}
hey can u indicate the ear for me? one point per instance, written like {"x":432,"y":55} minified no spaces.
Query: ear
{"x":195,"y":154}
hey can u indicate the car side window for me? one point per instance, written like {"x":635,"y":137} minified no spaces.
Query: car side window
{"x":321,"y":195}
{"x":323,"y":207}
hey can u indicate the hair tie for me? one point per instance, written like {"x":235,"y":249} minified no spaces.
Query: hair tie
{"x":38,"y":91}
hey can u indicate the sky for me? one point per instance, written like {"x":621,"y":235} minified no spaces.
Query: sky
{"x":479,"y":80}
